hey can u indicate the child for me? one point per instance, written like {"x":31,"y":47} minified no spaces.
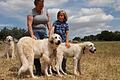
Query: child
{"x":61,"y":27}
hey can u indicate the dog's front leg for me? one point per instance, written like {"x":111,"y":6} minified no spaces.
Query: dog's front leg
{"x":31,"y":71}
{"x":61,"y":68}
{"x":58,"y":66}
{"x":52,"y":58}
{"x":6,"y":53}
{"x":78,"y":66}
{"x":13,"y":53}
{"x":75,"y":61}
{"x":46,"y":69}
{"x":47,"y":63}
{"x":50,"y":69}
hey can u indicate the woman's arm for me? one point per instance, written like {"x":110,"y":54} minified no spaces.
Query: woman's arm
{"x":49,"y":25}
{"x":52,"y":31}
{"x":29,"y":24}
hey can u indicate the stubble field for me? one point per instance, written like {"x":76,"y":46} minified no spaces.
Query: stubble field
{"x":103,"y":65}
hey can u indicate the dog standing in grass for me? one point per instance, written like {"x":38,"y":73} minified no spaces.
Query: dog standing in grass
{"x":29,"y":48}
{"x":9,"y":47}
{"x":75,"y":51}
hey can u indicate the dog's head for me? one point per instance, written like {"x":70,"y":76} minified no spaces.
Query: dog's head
{"x":9,"y":38}
{"x":90,"y":47}
{"x":55,"y":39}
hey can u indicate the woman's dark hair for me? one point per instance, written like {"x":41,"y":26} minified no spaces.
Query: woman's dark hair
{"x":65,"y":15}
{"x":37,"y":1}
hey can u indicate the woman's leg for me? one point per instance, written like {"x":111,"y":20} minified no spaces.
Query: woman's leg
{"x":37,"y":61}
{"x":40,"y":35}
{"x":37,"y":66}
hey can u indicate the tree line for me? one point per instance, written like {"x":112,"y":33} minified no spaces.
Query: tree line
{"x":14,"y":32}
{"x":103,"y":36}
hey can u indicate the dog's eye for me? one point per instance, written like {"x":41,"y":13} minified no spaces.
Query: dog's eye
{"x":90,"y":45}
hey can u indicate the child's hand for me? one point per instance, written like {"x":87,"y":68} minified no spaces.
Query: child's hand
{"x":34,"y":37}
{"x":67,"y":45}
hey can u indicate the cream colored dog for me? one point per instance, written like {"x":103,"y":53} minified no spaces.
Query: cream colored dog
{"x":9,"y":47}
{"x":29,"y":48}
{"x":75,"y":51}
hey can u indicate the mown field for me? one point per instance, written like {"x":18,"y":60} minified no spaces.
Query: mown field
{"x":103,"y":65}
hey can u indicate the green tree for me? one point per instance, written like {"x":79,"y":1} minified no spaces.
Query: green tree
{"x":14,"y":32}
{"x":4,"y":32}
{"x":77,"y":39}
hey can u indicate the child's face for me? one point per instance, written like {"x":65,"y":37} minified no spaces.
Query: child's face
{"x":61,"y":17}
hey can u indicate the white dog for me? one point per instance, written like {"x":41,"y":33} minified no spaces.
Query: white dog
{"x":9,"y":47}
{"x":75,"y":51}
{"x":29,"y":48}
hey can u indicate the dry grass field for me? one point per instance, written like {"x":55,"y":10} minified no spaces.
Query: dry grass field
{"x":103,"y":65}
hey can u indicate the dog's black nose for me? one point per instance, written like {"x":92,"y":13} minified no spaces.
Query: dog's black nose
{"x":59,"y":41}
{"x":94,"y":49}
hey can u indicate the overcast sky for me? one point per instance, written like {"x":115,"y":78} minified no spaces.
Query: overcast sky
{"x":86,"y":17}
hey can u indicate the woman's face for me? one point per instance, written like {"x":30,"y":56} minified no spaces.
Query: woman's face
{"x":61,"y":17}
{"x":39,"y":6}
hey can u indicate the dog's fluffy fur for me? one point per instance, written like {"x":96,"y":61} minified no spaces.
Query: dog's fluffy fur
{"x":75,"y":51}
{"x":29,"y":48}
{"x":9,"y":47}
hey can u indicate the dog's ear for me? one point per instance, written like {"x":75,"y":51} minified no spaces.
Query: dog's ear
{"x":5,"y":40}
{"x":51,"y":39}
{"x":51,"y":42}
{"x":83,"y":50}
{"x":83,"y":46}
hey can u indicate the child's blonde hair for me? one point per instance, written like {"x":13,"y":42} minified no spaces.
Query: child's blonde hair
{"x":65,"y":15}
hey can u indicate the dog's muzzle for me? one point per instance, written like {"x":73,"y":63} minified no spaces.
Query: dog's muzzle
{"x":92,"y":51}
{"x":58,"y":42}
{"x":9,"y":40}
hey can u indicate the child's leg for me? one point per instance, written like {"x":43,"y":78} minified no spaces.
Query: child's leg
{"x":64,"y":64}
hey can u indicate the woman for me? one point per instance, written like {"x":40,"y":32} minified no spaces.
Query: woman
{"x":38,"y":21}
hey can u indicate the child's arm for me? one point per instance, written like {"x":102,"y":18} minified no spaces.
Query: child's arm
{"x":67,"y":39}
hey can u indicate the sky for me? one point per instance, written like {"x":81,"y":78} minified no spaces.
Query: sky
{"x":85,"y":17}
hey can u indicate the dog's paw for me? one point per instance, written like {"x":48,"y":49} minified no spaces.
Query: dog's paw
{"x":48,"y":75}
{"x":35,"y":77}
{"x":76,"y":74}
{"x":60,"y":75}
{"x":65,"y":73}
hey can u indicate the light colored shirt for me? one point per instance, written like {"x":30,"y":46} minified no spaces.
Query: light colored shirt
{"x":39,"y":20}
